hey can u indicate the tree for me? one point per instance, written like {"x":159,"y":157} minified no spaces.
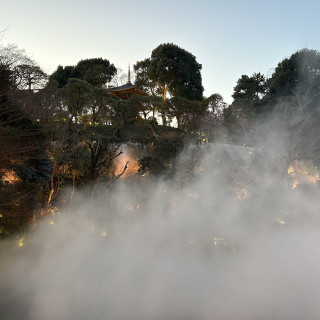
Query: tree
{"x":18,"y":132}
{"x":298,"y":76}
{"x":30,"y":77}
{"x":238,"y":119}
{"x":120,"y":78}
{"x":123,"y":111}
{"x":62,"y":74}
{"x":176,"y":71}
{"x":96,"y":72}
{"x":147,"y":105}
{"x":211,"y":119}
{"x":251,"y":88}
{"x":75,"y":95}
{"x":5,"y":81}
{"x":24,"y":166}
{"x":180,"y":108}
{"x":99,"y":107}
{"x":18,"y":71}
{"x":142,"y":79}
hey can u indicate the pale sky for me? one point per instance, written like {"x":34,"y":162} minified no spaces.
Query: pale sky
{"x":228,"y":37}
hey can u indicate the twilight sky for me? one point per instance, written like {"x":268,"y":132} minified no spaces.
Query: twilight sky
{"x":228,"y":37}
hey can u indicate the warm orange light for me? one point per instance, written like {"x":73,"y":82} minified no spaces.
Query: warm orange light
{"x":9,"y":177}
{"x":127,"y":158}
{"x":303,"y":172}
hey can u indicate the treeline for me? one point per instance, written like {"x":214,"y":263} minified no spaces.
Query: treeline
{"x":65,"y":131}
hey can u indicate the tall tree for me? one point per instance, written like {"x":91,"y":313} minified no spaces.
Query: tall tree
{"x":211,"y":119}
{"x":24,"y":166}
{"x":75,"y":95}
{"x":238,"y":119}
{"x":30,"y":77}
{"x":298,"y":76}
{"x":251,"y":88}
{"x":96,"y":72}
{"x":18,"y":71}
{"x":62,"y":74}
{"x":142,"y":79}
{"x":176,"y":71}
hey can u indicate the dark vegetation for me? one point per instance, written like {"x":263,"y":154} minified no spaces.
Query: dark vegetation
{"x":66,"y":131}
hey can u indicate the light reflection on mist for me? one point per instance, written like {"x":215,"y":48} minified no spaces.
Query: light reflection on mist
{"x":229,"y":243}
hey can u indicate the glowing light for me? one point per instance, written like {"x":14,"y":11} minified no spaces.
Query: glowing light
{"x":218,"y":241}
{"x":21,"y":242}
{"x":0,"y":215}
{"x":51,"y":222}
{"x":122,"y":161}
{"x":10,"y":177}
{"x":290,"y":169}
{"x":303,"y":172}
{"x":104,"y":233}
{"x":53,"y":210}
{"x":282,"y":222}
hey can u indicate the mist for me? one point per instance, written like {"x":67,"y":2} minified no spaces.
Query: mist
{"x":226,"y":238}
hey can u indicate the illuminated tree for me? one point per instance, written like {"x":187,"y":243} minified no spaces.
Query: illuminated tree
{"x":176,"y":71}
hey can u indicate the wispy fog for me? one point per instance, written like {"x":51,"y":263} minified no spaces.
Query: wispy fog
{"x":226,"y":239}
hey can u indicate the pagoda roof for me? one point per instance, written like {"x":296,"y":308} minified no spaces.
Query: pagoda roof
{"x":126,"y":86}
{"x":126,"y":91}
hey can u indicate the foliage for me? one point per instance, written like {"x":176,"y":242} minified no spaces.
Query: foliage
{"x":96,"y":72}
{"x":62,"y":74}
{"x":173,"y":70}
{"x":298,"y":75}
{"x":252,"y":88}
{"x":151,"y":165}
{"x":239,"y":118}
{"x":22,"y":140}
{"x":146,"y":105}
{"x":75,"y":96}
{"x":34,"y":170}
{"x":142,"y":79}
{"x":212,"y":117}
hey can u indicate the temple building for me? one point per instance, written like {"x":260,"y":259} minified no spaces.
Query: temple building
{"x":127,"y":90}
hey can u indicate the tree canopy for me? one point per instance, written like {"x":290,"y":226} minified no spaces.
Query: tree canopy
{"x":96,"y":72}
{"x":253,"y":88}
{"x":297,"y":75}
{"x":173,"y":70}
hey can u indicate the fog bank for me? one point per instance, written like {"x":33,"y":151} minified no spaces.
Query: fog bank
{"x":226,"y":240}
